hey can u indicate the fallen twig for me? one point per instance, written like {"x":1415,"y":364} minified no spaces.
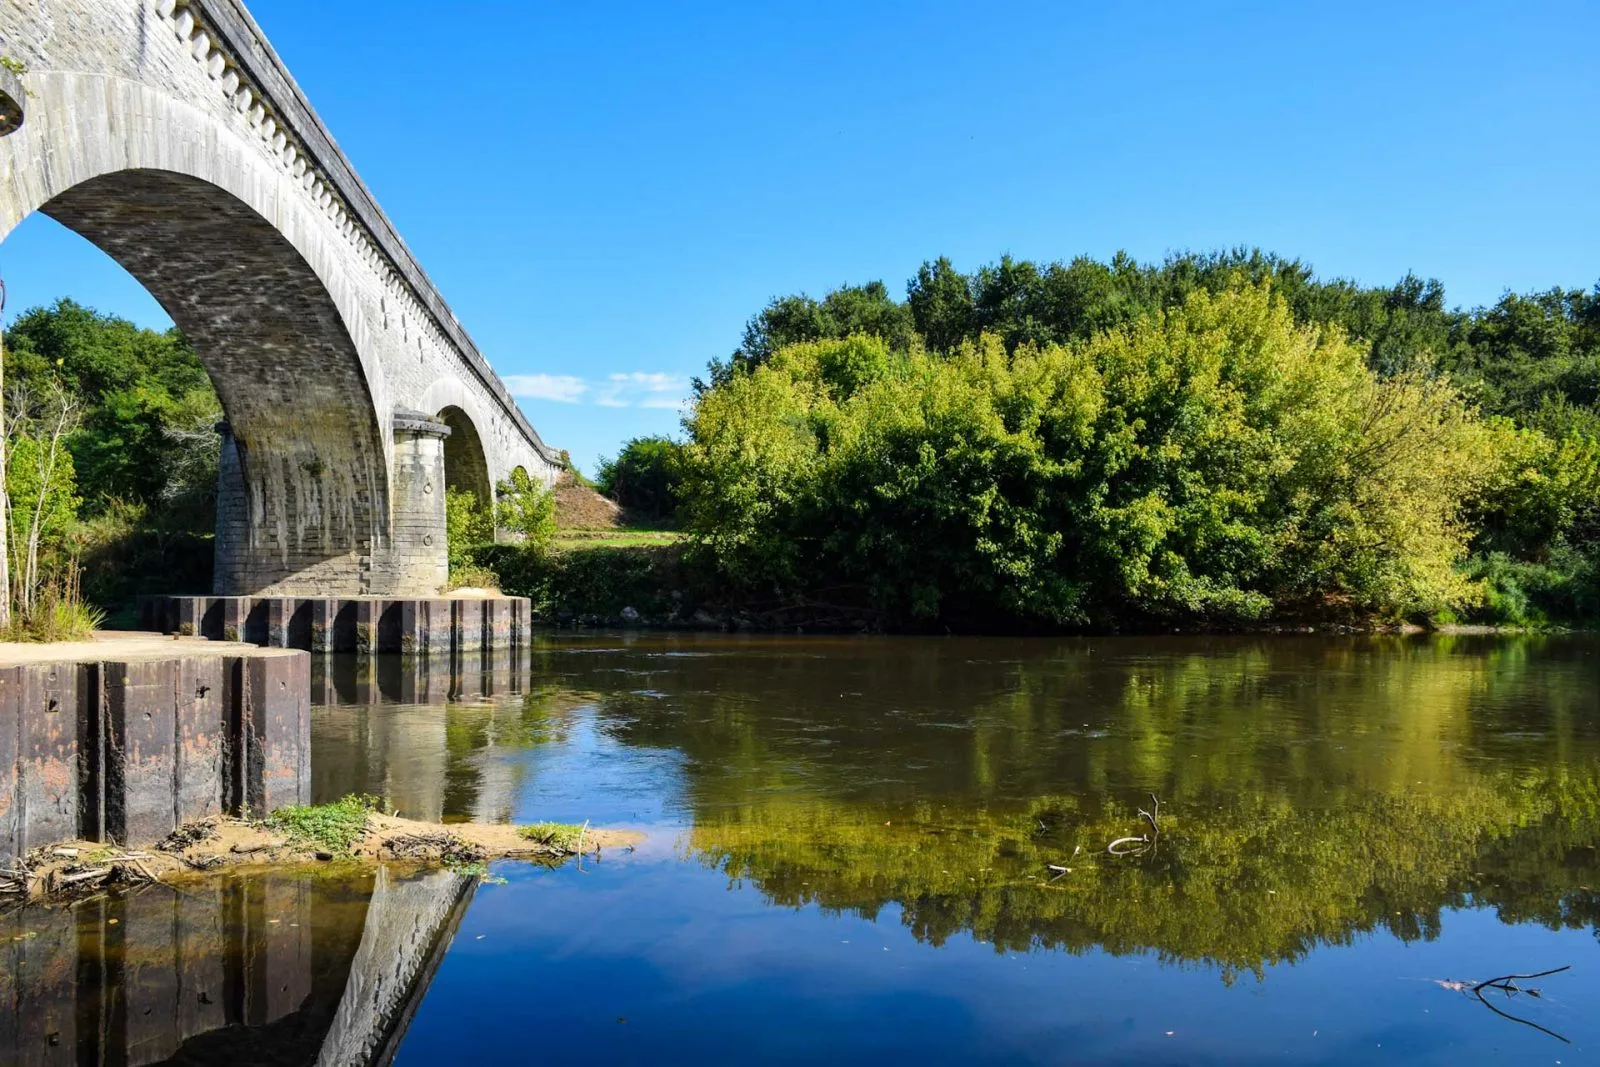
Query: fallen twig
{"x":1138,"y":846}
{"x":1507,"y":984}
{"x":1506,"y":981}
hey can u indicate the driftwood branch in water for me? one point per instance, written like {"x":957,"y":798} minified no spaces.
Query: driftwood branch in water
{"x":1507,"y":984}
{"x":1518,"y":1019}
{"x":1138,"y":846}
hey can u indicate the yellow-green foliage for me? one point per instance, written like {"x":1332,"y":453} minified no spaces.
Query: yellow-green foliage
{"x":466,"y":523}
{"x":1214,"y":461}
{"x":525,"y":508}
{"x":1370,"y":789}
{"x":564,"y":836}
{"x":29,"y":468}
{"x":333,"y":827}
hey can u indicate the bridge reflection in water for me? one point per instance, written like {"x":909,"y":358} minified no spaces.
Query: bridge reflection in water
{"x":284,"y":967}
{"x":415,"y":730}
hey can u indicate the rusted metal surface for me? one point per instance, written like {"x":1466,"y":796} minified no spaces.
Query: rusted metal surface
{"x":139,"y":727}
{"x":201,"y":740}
{"x":424,"y":626}
{"x":275,"y":732}
{"x":47,"y":756}
{"x":467,"y":625}
{"x":125,"y":750}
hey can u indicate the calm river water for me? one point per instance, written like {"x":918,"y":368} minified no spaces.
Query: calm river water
{"x":895,"y":850}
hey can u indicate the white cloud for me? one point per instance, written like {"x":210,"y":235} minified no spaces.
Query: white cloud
{"x":564,"y":388}
{"x":642,"y":389}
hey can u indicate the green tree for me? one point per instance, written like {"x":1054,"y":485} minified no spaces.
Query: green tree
{"x":525,"y":508}
{"x":140,"y":391}
{"x":467,"y":524}
{"x":644,"y":477}
{"x":1215,"y":461}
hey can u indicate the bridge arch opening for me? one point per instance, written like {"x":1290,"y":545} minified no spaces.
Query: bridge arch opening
{"x":303,"y":494}
{"x":466,"y":464}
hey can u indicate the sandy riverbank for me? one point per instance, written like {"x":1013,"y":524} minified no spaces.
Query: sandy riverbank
{"x":74,"y":868}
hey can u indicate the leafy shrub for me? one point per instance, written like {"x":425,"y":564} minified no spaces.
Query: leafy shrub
{"x":1563,"y":589}
{"x":558,"y":835}
{"x":592,"y":580}
{"x":333,"y":827}
{"x":526,"y":508}
{"x":466,"y":523}
{"x":644,"y":477}
{"x":1214,"y":461}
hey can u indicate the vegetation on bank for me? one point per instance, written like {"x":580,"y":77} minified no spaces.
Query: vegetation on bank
{"x":111,"y":465}
{"x":1213,"y":441}
{"x":353,"y":829}
{"x":1217,"y":440}
{"x":333,"y":828}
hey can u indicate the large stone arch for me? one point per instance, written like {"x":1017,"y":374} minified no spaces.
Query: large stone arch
{"x":252,"y":273}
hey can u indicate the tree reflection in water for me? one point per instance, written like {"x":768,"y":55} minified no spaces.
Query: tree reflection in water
{"x":1312,"y":790}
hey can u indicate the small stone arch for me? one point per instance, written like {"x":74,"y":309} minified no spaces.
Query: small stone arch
{"x":466,"y":464}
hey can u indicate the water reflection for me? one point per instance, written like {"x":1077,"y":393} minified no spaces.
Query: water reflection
{"x":1313,"y":789}
{"x":838,"y":802}
{"x":413,"y":731}
{"x":270,"y":968}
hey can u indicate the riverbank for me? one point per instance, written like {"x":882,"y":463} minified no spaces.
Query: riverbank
{"x":657,"y":583}
{"x":72,"y":869}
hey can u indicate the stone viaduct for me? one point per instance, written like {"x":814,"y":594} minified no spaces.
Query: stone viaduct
{"x":169,"y":134}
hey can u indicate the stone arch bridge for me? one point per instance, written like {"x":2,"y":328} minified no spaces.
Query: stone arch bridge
{"x":169,"y":134}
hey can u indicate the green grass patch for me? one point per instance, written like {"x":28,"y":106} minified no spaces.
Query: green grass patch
{"x":577,"y":539}
{"x":560,"y":835}
{"x":332,"y":827}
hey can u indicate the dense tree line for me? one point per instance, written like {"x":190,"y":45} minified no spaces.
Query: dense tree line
{"x":1212,"y":439}
{"x":133,"y":495}
{"x":1535,"y":357}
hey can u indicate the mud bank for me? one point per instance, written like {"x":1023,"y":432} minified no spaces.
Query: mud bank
{"x":72,"y":869}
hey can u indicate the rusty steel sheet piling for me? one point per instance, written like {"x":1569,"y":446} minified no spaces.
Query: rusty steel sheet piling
{"x":125,"y":749}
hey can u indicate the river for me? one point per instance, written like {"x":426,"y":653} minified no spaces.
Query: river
{"x":896,"y":849}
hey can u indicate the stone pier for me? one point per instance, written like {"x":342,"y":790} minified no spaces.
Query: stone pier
{"x":123,"y":740}
{"x":436,"y":627}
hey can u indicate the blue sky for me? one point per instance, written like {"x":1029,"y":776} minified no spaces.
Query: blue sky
{"x":604,"y":193}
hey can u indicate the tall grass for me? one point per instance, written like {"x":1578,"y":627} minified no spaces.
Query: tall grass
{"x":58,"y":613}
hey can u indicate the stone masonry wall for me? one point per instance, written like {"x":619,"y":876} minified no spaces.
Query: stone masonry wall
{"x":420,"y":557}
